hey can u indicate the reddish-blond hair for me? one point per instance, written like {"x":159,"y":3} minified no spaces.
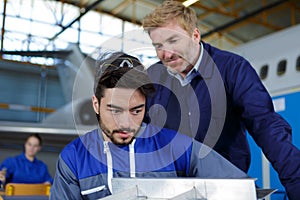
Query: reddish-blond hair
{"x":168,"y":11}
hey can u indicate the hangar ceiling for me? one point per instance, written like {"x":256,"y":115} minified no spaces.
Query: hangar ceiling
{"x":223,"y":23}
{"x":228,"y":21}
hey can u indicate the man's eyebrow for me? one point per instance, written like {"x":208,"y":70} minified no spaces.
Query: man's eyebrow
{"x":168,"y":39}
{"x":155,"y":43}
{"x":114,"y":106}
{"x":137,"y":107}
{"x":172,"y":37}
{"x":120,"y":108}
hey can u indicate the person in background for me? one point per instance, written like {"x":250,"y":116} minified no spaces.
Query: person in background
{"x":214,"y":96}
{"x":26,"y":168}
{"x":123,"y":146}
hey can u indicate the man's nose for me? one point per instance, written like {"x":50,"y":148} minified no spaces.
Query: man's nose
{"x":167,"y":54}
{"x":124,"y":120}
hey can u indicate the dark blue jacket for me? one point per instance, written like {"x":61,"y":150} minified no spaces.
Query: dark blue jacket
{"x":224,"y":99}
{"x":86,"y":165}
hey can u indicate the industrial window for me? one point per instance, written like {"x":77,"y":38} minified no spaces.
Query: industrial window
{"x":298,"y":64}
{"x":263,"y":72}
{"x":281,"y":67}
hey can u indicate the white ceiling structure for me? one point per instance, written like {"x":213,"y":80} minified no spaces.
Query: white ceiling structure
{"x":224,"y":23}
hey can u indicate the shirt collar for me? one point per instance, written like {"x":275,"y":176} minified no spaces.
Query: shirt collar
{"x":25,"y":158}
{"x":189,"y":77}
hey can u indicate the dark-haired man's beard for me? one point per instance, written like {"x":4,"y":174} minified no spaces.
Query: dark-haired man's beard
{"x":122,"y":136}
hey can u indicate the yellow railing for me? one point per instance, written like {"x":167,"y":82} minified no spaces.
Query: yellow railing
{"x":18,"y":189}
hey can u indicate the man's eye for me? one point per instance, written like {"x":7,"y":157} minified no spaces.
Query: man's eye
{"x":135,"y":112}
{"x":157,"y":46}
{"x":115,"y":111}
{"x":173,"y":41}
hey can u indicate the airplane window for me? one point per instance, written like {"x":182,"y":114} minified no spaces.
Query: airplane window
{"x":263,"y":72}
{"x":298,"y":64}
{"x":281,"y":67}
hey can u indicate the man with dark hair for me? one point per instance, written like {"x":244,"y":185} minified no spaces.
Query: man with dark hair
{"x":123,"y":146}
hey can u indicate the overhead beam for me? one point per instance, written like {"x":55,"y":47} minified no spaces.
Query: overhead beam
{"x":121,"y":7}
{"x":213,"y":10}
{"x":51,"y":54}
{"x":238,"y":20}
{"x":84,"y":11}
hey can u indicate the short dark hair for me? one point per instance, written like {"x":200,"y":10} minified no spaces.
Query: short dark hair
{"x":37,"y":136}
{"x":120,"y":70}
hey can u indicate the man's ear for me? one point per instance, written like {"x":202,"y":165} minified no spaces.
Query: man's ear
{"x":95,"y":104}
{"x":196,"y":35}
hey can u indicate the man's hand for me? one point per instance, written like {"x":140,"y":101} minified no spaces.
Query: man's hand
{"x":2,"y":175}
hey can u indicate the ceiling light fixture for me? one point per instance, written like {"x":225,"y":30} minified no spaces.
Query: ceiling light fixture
{"x":187,"y":3}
